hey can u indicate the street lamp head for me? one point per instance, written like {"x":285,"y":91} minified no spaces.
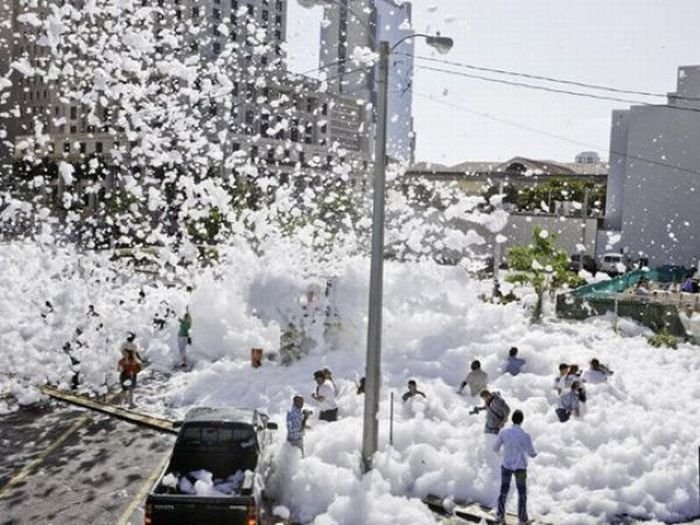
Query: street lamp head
{"x":441,"y":44}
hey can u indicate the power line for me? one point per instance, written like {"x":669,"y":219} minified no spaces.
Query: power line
{"x":555,"y":90}
{"x":555,"y":136}
{"x":547,"y":79}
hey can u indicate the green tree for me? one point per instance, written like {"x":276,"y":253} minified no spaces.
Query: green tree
{"x":543,"y":265}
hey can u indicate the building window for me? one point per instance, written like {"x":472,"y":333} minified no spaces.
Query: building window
{"x":83,"y":147}
{"x":98,"y":147}
{"x":216,"y":13}
{"x":251,"y":10}
{"x":265,"y":15}
{"x":195,"y":12}
{"x":73,"y":130}
{"x":66,"y":147}
{"x":73,"y":112}
{"x":216,"y":47}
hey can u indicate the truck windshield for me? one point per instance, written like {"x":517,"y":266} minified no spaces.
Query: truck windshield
{"x":217,"y":436}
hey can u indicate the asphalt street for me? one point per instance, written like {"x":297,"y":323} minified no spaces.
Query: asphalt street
{"x":61,"y":465}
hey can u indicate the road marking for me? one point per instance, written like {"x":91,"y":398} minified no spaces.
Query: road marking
{"x":27,"y":470}
{"x":143,"y":491}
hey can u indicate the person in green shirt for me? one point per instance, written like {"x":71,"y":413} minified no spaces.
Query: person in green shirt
{"x":183,"y":336}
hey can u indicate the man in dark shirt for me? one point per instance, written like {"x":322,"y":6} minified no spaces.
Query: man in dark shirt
{"x":412,"y":391}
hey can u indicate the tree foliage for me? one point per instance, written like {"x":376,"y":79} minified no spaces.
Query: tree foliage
{"x":542,"y":265}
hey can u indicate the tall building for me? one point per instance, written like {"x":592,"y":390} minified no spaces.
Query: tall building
{"x":276,"y":121}
{"x":350,"y":27}
{"x":394,"y":23}
{"x":653,"y":193}
{"x":6,"y":28}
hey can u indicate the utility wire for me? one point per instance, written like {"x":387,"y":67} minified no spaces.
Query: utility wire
{"x":545,"y":78}
{"x":555,"y":136}
{"x":555,"y":90}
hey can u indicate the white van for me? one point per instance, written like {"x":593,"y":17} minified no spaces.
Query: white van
{"x":613,"y":263}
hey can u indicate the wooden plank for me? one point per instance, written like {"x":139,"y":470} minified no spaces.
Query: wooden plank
{"x":472,"y":511}
{"x":164,"y":425}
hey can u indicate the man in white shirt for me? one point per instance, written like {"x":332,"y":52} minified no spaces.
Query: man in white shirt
{"x":325,"y":397}
{"x":517,"y":445}
{"x":559,"y":380}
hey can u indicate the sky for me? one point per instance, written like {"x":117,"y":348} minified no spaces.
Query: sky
{"x":627,"y":44}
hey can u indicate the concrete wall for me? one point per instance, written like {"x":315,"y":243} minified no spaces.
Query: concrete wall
{"x":661,"y":217}
{"x":570,"y":231}
{"x":618,"y":169}
{"x":653,"y":197}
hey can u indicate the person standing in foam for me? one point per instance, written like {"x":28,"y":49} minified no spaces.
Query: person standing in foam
{"x":477,"y":379}
{"x":514,"y":365}
{"x":597,"y":373}
{"x":517,"y":446}
{"x":325,"y":397}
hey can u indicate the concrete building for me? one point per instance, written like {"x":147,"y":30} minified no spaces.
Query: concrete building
{"x":394,"y":22}
{"x":6,"y":29}
{"x":280,"y":123}
{"x":361,"y":24}
{"x":653,"y":198}
{"x":575,"y":229}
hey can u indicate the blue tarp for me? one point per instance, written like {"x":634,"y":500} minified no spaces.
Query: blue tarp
{"x":661,"y":274}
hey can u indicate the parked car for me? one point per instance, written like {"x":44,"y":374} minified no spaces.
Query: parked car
{"x":216,"y":472}
{"x":585,"y":262}
{"x":613,"y":263}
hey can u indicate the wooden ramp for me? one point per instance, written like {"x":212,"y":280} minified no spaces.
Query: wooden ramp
{"x":472,"y":512}
{"x":164,"y":425}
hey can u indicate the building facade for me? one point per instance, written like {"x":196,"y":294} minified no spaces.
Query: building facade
{"x":653,"y":198}
{"x":272,"y":121}
{"x":351,"y":27}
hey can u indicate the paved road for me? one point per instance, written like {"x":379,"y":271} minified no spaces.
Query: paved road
{"x":61,"y":465}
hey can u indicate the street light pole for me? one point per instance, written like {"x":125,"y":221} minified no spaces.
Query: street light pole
{"x":376,"y":278}
{"x":373,"y":373}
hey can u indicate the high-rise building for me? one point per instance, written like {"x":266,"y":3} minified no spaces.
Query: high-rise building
{"x":6,"y":20}
{"x":277,"y":121}
{"x":393,"y":24}
{"x":349,"y":29}
{"x":653,"y":192}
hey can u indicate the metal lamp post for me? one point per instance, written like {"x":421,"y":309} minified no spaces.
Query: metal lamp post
{"x":376,"y":278}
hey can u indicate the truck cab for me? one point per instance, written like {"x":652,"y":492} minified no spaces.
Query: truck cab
{"x":216,"y":473}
